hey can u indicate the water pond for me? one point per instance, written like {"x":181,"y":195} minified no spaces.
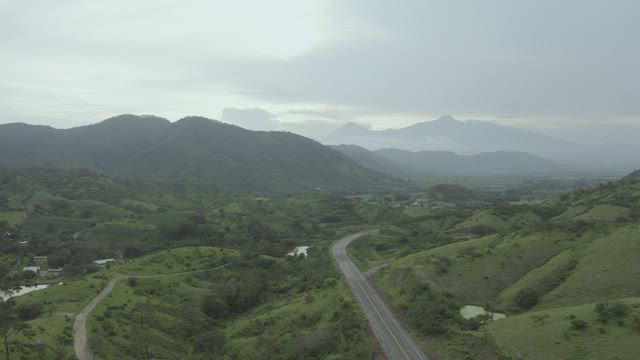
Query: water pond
{"x":471,"y":311}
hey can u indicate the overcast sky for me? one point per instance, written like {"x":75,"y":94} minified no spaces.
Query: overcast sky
{"x":564,"y":67}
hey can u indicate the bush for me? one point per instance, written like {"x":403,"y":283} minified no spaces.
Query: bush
{"x":578,"y":324}
{"x":215,"y":307}
{"x":526,"y":299}
{"x":607,"y":311}
{"x":30,"y":311}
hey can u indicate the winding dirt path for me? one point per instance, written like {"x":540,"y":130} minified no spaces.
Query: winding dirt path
{"x":80,"y":343}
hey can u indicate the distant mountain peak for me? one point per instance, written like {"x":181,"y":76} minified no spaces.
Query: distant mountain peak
{"x":197,"y":120}
{"x":447,"y":119}
{"x":352,"y":128}
{"x":129,"y":118}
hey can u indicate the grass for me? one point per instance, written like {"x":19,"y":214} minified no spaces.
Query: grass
{"x":55,"y":332}
{"x":288,"y":319}
{"x":482,"y":218}
{"x":73,"y":295}
{"x":416,"y":211}
{"x":607,"y":269}
{"x":604,"y":213}
{"x":13,"y":218}
{"x":172,"y":261}
{"x":555,"y":339}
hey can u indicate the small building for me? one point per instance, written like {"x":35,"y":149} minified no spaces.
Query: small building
{"x":35,"y":269}
{"x":39,"y":259}
{"x":23,"y":243}
{"x":104,"y":261}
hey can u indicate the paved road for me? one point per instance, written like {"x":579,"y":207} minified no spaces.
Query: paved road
{"x":395,"y":341}
{"x":80,"y":324}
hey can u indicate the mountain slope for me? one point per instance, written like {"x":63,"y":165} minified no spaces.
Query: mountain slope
{"x":500,"y":162}
{"x":146,"y":146}
{"x":371,"y":160}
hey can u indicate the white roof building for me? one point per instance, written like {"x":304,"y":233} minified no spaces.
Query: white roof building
{"x":104,"y":261}
{"x":35,"y":269}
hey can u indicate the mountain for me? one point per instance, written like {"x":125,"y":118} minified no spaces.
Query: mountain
{"x":374,"y":161}
{"x":446,"y":133}
{"x":436,"y":164}
{"x":474,"y":137}
{"x":131,"y":146}
{"x":501,"y":162}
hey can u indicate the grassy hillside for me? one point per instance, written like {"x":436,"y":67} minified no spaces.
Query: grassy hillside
{"x":560,"y":259}
{"x":167,"y":228}
{"x":286,"y":307}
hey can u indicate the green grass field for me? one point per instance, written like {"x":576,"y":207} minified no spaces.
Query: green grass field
{"x":554,"y":338}
{"x":13,"y":218}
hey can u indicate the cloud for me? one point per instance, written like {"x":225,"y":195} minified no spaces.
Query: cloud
{"x":336,"y":61}
{"x":252,"y":119}
{"x":566,"y":58}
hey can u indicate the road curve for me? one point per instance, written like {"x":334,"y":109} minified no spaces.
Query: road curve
{"x":395,"y":341}
{"x":80,"y":324}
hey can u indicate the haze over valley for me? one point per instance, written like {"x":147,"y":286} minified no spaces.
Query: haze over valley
{"x":280,"y":180}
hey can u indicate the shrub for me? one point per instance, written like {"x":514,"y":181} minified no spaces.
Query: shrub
{"x":578,"y":324}
{"x":540,"y":318}
{"x":606,"y":311}
{"x":30,"y":311}
{"x":526,"y":299}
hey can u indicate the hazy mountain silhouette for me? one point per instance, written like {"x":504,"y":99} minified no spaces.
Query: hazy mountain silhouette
{"x":474,"y":137}
{"x":148,"y":146}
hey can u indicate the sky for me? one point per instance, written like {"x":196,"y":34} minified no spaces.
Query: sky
{"x":563,"y":67}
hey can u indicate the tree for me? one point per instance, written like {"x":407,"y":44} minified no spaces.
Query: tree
{"x":10,"y":324}
{"x":526,"y":299}
{"x":29,"y":311}
{"x":215,"y":307}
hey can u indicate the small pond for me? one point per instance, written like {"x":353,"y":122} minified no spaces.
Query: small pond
{"x":471,"y":311}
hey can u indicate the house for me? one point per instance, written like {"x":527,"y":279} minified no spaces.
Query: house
{"x":104,"y":261}
{"x":35,"y":269}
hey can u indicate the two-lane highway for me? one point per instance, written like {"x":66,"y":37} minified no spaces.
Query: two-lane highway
{"x":396,"y":342}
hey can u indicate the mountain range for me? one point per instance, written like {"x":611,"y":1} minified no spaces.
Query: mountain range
{"x":474,"y":137}
{"x":129,"y":146}
{"x":410,"y":164}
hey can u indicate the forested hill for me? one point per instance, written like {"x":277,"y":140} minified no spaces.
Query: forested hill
{"x":152,"y":147}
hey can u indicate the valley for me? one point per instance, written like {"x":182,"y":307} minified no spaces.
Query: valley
{"x":547,"y":266}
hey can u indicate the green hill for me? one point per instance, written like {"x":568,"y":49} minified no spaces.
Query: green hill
{"x":130,"y":146}
{"x":560,"y":259}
